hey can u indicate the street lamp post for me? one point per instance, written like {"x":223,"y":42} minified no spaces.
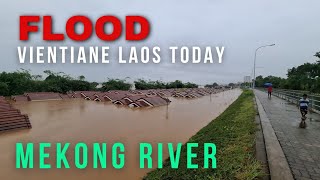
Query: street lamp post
{"x":254,"y":64}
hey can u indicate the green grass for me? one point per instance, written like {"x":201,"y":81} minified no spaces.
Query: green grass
{"x":233,"y":133}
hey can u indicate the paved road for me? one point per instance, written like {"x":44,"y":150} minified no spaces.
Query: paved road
{"x":300,"y":146}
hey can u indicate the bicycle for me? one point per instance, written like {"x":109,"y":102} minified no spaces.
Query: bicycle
{"x":303,"y":123}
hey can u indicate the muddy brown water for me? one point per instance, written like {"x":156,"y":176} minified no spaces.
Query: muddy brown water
{"x":78,"y":120}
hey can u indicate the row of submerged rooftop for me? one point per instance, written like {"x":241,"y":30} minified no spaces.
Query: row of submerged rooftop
{"x":12,"y":119}
{"x":131,"y":98}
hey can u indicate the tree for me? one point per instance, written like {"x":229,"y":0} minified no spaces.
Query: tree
{"x":143,"y":85}
{"x":81,"y":78}
{"x":317,"y":55}
{"x":115,"y":84}
{"x":175,"y":84}
{"x":190,"y":85}
{"x":211,"y":85}
{"x":277,"y":82}
{"x":303,"y":77}
{"x":36,"y":77}
{"x":21,"y":81}
{"x":4,"y":89}
{"x":231,"y":84}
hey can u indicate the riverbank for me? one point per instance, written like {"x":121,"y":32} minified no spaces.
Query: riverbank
{"x":233,"y":133}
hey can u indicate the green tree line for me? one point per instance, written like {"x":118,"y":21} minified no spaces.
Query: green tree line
{"x":21,"y":81}
{"x":304,"y":77}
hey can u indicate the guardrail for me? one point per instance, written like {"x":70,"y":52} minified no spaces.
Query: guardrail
{"x":294,"y":96}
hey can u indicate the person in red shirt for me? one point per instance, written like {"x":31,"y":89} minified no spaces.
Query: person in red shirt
{"x":269,"y":91}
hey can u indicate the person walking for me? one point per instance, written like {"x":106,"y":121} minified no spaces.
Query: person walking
{"x":303,"y":104}
{"x":269,"y":91}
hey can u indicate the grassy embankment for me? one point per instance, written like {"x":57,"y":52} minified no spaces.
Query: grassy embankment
{"x":233,"y":133}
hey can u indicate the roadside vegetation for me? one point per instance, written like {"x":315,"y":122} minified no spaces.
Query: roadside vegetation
{"x":22,"y":81}
{"x":304,"y":77}
{"x":233,"y":133}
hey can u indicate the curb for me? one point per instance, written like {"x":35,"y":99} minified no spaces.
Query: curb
{"x":260,"y":151}
{"x":278,"y":165}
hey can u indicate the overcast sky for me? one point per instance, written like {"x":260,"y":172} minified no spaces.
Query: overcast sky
{"x":239,"y":26}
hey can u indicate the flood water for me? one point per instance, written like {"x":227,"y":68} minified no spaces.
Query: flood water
{"x":78,"y":120}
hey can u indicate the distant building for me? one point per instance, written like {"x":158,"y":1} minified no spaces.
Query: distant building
{"x":247,"y":79}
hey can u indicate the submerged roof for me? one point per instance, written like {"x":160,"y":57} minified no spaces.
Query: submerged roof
{"x":20,"y":98}
{"x":155,"y":100}
{"x":11,"y":118}
{"x":115,"y":96}
{"x":40,"y":96}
